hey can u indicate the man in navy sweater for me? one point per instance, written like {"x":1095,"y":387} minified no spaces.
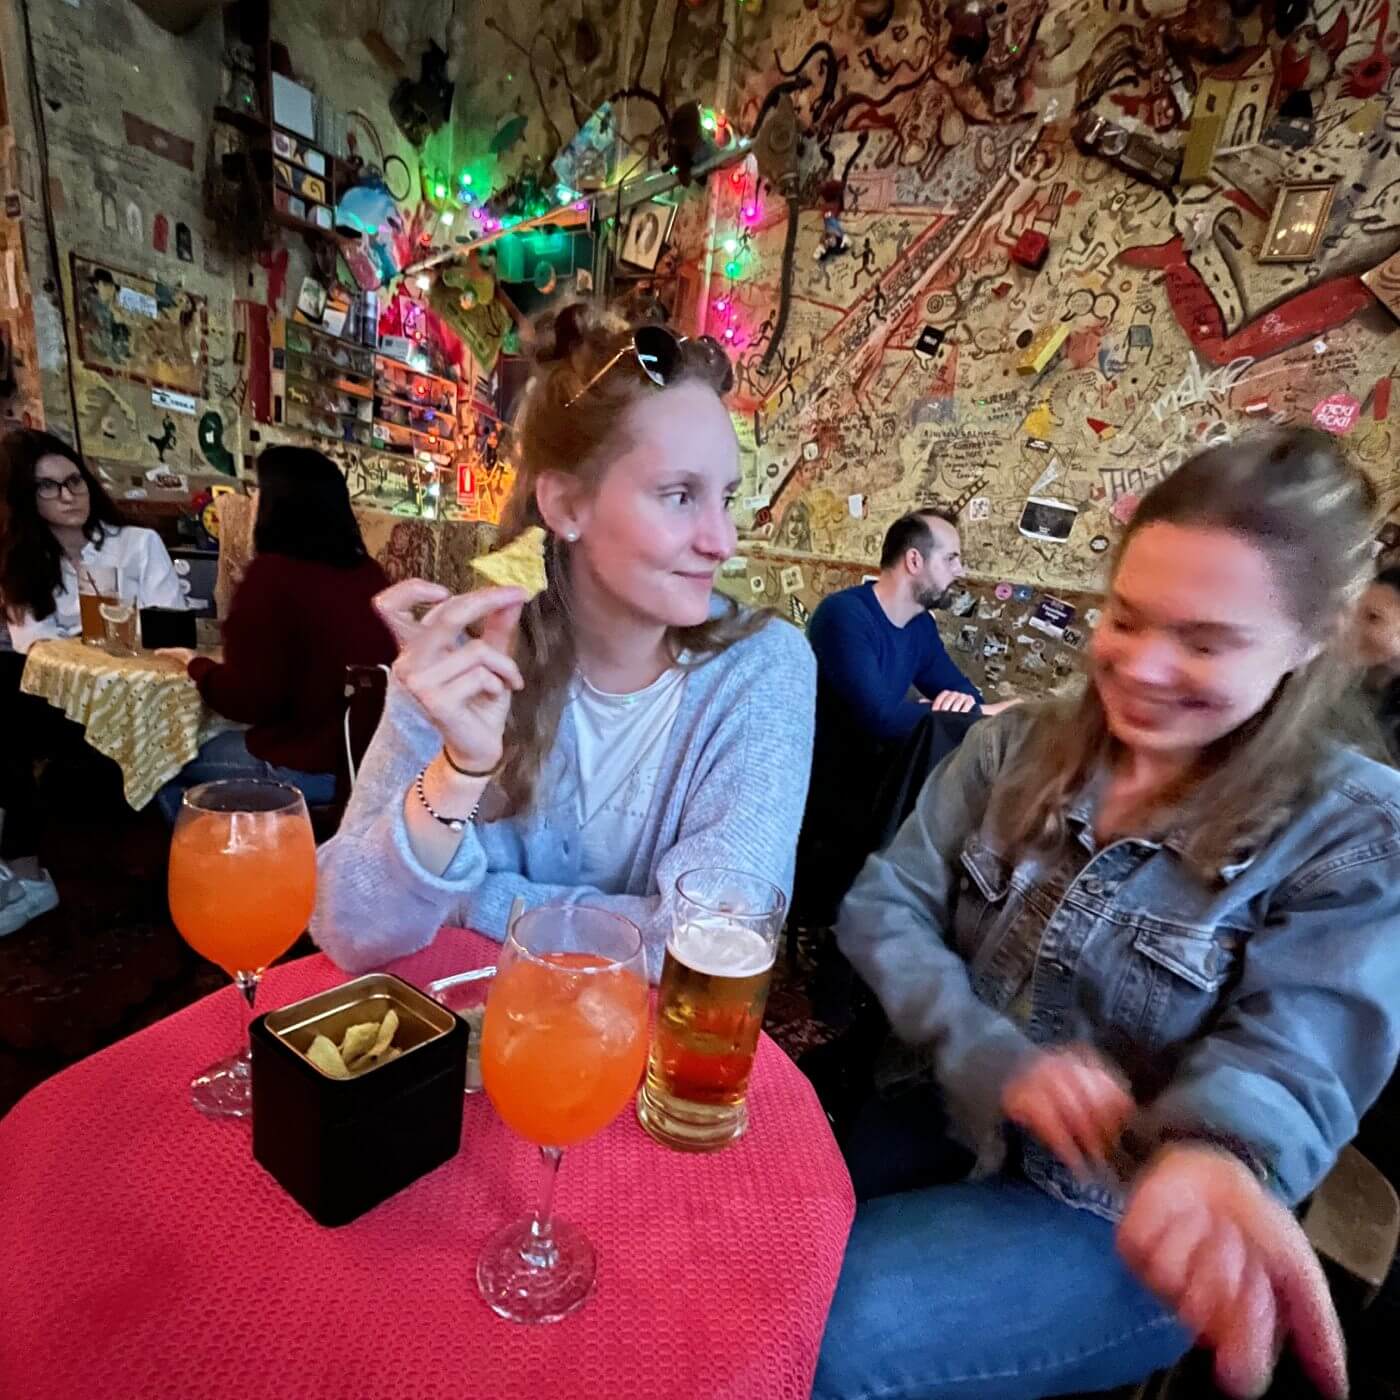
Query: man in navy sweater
{"x":878,"y":641}
{"x":875,"y":644}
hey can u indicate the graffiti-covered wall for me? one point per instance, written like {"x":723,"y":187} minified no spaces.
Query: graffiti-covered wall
{"x":1030,"y":271}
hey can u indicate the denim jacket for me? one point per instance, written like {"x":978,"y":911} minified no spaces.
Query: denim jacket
{"x":1262,"y":1008}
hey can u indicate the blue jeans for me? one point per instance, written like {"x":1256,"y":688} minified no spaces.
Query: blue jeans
{"x":987,"y":1290}
{"x":226,"y":756}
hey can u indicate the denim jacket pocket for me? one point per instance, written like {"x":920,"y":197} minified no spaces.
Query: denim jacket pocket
{"x":984,"y":903}
{"x":1177,"y":981}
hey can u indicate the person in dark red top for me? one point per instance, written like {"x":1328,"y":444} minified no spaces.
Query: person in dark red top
{"x":302,"y":614}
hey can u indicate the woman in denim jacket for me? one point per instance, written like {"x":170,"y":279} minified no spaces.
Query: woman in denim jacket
{"x":1150,"y":941}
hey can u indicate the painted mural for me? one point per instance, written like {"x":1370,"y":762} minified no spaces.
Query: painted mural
{"x":1027,"y":274}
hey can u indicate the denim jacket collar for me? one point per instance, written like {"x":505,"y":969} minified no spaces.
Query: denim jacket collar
{"x":1083,"y":807}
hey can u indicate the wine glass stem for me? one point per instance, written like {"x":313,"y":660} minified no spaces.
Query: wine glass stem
{"x":541,"y":1251}
{"x":247,"y":983}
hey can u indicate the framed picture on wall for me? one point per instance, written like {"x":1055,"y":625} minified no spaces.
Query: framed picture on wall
{"x":647,"y":232}
{"x":1298,"y":222}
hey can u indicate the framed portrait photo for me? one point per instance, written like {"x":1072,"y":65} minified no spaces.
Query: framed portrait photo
{"x":646,"y":235}
{"x":1298,"y":222}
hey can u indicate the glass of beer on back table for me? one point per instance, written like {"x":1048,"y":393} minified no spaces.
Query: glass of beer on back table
{"x":714,"y":983}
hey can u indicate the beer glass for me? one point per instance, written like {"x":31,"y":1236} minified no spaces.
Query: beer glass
{"x":714,"y":983}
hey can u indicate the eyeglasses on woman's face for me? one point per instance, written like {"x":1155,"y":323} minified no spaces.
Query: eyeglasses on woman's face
{"x":47,"y":489}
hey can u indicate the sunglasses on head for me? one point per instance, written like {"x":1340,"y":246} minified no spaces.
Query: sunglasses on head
{"x":659,"y":354}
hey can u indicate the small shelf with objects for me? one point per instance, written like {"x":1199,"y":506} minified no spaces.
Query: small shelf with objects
{"x":321,"y":383}
{"x":414,"y":411}
{"x":288,"y":129}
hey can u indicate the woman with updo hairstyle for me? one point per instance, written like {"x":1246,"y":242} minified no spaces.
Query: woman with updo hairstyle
{"x":628,"y":724}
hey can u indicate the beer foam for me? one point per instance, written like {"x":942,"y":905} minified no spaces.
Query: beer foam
{"x":721,"y":949}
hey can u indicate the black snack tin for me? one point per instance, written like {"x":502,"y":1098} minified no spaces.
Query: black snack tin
{"x":340,"y":1146}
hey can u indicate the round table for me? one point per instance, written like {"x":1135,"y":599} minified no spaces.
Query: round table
{"x":142,"y":711}
{"x":146,"y":1254}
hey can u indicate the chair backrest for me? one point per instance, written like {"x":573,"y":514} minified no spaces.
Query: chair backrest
{"x":365,"y":689}
{"x":1353,"y":1219}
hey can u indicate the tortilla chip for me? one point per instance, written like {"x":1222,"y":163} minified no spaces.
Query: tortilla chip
{"x":519,"y":565}
{"x":357,"y":1041}
{"x":385,"y":1039}
{"x":326,"y":1058}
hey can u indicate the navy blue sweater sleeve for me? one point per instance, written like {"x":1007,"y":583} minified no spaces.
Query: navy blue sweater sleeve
{"x":842,"y":634}
{"x":940,"y":672}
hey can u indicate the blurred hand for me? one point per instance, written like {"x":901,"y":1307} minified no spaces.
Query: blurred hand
{"x":953,"y":700}
{"x":456,"y":662}
{"x":184,"y":655}
{"x":1235,"y":1266}
{"x":1074,"y":1102}
{"x":1000,"y":707}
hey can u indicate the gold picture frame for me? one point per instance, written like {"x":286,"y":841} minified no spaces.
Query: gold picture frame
{"x":1298,"y":222}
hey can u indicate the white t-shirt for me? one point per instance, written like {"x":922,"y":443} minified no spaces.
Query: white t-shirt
{"x":144,"y":572}
{"x":621,"y":742}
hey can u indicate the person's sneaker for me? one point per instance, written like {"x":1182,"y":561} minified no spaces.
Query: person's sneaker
{"x":24,"y":897}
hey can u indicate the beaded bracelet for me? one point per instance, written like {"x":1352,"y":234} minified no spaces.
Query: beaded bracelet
{"x":451,"y":823}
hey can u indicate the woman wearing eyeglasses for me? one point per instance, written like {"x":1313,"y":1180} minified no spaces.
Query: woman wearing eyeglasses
{"x":55,"y":520}
{"x":594,"y":743}
{"x":59,"y":519}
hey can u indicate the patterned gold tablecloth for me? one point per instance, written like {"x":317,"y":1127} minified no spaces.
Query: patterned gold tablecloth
{"x":143,"y":712}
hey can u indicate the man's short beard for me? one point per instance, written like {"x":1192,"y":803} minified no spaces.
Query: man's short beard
{"x":928,"y":600}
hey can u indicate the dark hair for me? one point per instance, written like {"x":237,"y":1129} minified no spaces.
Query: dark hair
{"x":31,"y":558}
{"x":304,"y":509}
{"x":912,"y":532}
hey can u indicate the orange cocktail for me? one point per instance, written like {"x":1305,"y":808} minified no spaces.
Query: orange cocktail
{"x":242,"y":888}
{"x":562,"y":1049}
{"x":242,"y":885}
{"x":563,"y":1045}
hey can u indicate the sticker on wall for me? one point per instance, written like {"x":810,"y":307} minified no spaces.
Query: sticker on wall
{"x":979,"y":508}
{"x":184,"y":243}
{"x":757,"y":585}
{"x":810,"y":451}
{"x":930,"y":342}
{"x":1092,"y":617}
{"x":1052,"y":617}
{"x":1023,"y":593}
{"x":1337,"y":413}
{"x":1038,"y":444}
{"x":791,"y":578}
{"x":1003,"y":591}
{"x":967,"y":638}
{"x":1073,"y":637}
{"x":1124,"y":508}
{"x":1043,"y":518}
{"x":176,"y":403}
{"x":855,"y":506}
{"x":961,"y":603}
{"x":993,"y":645}
{"x":211,"y":443}
{"x":160,"y":233}
{"x":135,"y":223}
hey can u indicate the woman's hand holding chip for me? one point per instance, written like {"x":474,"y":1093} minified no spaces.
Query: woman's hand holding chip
{"x":456,"y":663}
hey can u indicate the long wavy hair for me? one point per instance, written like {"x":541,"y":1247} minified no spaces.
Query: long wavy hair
{"x":1294,"y":496}
{"x":580,"y":439}
{"x":31,"y":558}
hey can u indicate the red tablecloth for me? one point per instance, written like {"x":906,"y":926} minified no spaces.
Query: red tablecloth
{"x":143,"y":1253}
